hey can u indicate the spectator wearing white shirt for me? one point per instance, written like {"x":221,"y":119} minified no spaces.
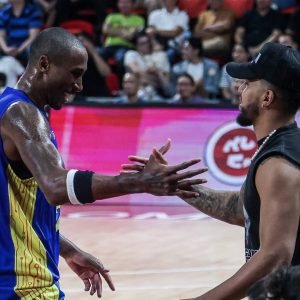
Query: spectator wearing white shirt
{"x":169,"y":23}
{"x":152,"y":67}
{"x":204,"y":71}
{"x":12,"y":69}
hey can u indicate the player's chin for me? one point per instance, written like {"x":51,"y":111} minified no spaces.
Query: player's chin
{"x":69,"y":98}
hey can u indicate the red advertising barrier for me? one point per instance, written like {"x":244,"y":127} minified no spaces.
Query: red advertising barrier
{"x":100,"y":139}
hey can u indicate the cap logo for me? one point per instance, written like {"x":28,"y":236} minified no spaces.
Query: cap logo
{"x":257,"y":58}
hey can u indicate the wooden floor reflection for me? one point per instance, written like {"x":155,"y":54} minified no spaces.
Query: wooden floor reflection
{"x":155,"y":259}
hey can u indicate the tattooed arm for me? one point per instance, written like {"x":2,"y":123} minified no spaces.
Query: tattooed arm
{"x":226,"y":206}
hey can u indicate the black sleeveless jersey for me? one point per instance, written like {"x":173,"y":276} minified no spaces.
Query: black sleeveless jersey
{"x":286,"y":143}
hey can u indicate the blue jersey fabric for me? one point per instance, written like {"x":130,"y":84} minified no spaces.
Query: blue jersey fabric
{"x":29,"y":235}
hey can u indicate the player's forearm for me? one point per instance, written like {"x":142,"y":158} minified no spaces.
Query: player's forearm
{"x":222,"y":205}
{"x":112,"y":186}
{"x":66,"y":246}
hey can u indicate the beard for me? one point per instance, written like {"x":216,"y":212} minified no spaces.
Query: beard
{"x":243,"y":119}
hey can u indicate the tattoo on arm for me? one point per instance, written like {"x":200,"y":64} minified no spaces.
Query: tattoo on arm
{"x":223,"y":205}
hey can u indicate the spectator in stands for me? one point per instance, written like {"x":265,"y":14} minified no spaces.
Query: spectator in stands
{"x":282,"y":284}
{"x":169,"y":24}
{"x":258,"y":26}
{"x":98,"y":71}
{"x":293,"y":26}
{"x":93,"y":11}
{"x":287,"y":40}
{"x":286,"y":6}
{"x":94,"y":80}
{"x":20,"y":23}
{"x":214,"y":27}
{"x":239,"y":7}
{"x":185,"y":88}
{"x":49,"y":11}
{"x":152,"y":67}
{"x":228,"y":85}
{"x":119,"y":30}
{"x":204,"y":71}
{"x":131,"y":86}
{"x":193,"y":8}
{"x":12,"y":69}
{"x":2,"y":82}
{"x":149,"y":5}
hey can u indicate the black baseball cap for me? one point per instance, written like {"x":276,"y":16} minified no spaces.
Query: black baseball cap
{"x":275,"y":63}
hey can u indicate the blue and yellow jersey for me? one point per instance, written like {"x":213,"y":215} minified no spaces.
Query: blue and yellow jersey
{"x":29,"y":235}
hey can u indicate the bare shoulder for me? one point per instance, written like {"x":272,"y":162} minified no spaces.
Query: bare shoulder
{"x":22,"y":123}
{"x":279,"y":173}
{"x":25,"y":118}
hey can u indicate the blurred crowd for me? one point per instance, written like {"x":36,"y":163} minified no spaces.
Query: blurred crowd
{"x":151,"y":51}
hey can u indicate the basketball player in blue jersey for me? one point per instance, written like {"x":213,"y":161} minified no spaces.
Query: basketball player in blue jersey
{"x":268,"y":205}
{"x":34,"y":181}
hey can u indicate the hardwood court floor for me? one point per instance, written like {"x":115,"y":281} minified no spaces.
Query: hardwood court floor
{"x":155,"y":259}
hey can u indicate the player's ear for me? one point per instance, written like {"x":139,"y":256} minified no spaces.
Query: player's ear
{"x":44,"y":64}
{"x":268,"y":99}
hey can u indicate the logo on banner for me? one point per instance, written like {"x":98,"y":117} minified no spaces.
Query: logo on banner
{"x":228,"y":153}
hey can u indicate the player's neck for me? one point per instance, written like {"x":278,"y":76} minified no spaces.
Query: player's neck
{"x":263,"y":128}
{"x":25,"y":84}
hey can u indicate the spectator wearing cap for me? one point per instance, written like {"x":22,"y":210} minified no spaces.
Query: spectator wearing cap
{"x":20,"y":23}
{"x":260,"y":25}
{"x":214,"y":27}
{"x":204,"y":71}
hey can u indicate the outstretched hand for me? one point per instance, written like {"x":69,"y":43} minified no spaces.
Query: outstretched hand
{"x":89,"y":269}
{"x":161,"y":179}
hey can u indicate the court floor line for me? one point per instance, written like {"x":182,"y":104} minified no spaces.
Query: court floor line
{"x":148,"y":287}
{"x":167,"y":271}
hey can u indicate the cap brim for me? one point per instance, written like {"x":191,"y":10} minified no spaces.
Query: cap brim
{"x":241,"y":71}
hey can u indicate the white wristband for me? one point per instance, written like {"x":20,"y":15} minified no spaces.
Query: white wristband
{"x":70,"y":187}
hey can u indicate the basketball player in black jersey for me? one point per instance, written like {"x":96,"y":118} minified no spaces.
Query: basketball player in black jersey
{"x":268,"y":205}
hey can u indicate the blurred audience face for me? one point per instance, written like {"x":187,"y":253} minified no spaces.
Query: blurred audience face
{"x":188,"y":52}
{"x":287,"y":40}
{"x":169,"y":4}
{"x":130,"y":84}
{"x":185,"y":87}
{"x":143,"y":45}
{"x":125,"y":6}
{"x":240,"y":54}
{"x":263,"y":4}
{"x":236,"y":89}
{"x":215,"y":4}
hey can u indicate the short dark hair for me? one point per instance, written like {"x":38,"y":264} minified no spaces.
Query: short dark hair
{"x":186,"y":75}
{"x":289,"y":100}
{"x":282,"y":284}
{"x":55,"y":43}
{"x":196,"y":43}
